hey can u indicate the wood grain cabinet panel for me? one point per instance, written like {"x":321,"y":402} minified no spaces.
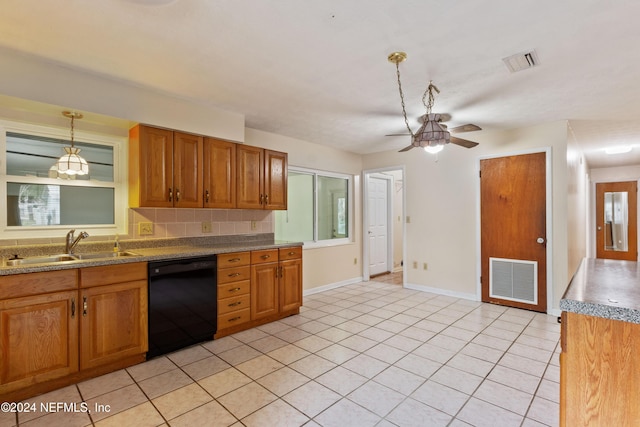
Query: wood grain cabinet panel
{"x":262,"y":178}
{"x":599,"y":372}
{"x":114,"y":323}
{"x":165,"y":168}
{"x":38,"y":339}
{"x":219,"y":174}
{"x":264,"y":290}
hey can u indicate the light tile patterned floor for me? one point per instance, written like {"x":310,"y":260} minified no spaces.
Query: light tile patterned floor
{"x":369,"y":354}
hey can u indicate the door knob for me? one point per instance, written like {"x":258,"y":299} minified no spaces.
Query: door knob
{"x":599,"y":228}
{"x":540,"y":240}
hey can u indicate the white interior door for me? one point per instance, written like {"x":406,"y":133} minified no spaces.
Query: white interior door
{"x":378,"y":232}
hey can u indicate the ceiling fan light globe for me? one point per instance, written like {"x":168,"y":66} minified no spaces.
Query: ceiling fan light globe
{"x":433,"y":149}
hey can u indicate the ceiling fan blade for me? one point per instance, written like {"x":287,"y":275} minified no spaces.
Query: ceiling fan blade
{"x":398,"y":134}
{"x":406,"y":148}
{"x":465,"y":128}
{"x":463,"y":142}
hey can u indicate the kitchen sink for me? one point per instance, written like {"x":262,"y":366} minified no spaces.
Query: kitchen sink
{"x":47,"y":259}
{"x":55,"y":259}
{"x":96,"y":255}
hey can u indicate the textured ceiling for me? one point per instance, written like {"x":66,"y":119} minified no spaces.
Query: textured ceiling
{"x":318,"y":70}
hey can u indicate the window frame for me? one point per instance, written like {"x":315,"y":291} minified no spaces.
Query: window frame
{"x":117,"y":143}
{"x":315,"y":173}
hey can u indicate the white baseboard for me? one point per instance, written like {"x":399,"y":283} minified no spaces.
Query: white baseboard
{"x":440,"y":291}
{"x":330,"y":286}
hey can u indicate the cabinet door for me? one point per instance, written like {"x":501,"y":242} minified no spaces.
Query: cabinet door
{"x":38,"y":339}
{"x":290,"y":284}
{"x":250,"y":173}
{"x":187,"y":170}
{"x":113,"y":323}
{"x":219,"y":174}
{"x":156,"y":167}
{"x":264,"y":290}
{"x":275,"y":180}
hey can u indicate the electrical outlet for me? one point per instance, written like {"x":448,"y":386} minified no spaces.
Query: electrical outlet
{"x":424,"y":266}
{"x":254,"y":225}
{"x":415,"y":264}
{"x":206,"y":227}
{"x":145,"y":228}
{"x":355,"y":261}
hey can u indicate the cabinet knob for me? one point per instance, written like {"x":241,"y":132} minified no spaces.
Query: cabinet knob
{"x":170,"y":195}
{"x":177,"y":194}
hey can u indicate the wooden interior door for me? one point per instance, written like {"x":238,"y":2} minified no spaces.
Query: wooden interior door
{"x":617,"y":220}
{"x":513,"y":227}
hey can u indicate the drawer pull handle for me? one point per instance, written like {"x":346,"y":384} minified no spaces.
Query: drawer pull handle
{"x":291,"y":253}
{"x":265,"y":256}
{"x":234,"y":260}
{"x":84,"y":306}
{"x":234,"y":304}
{"x":73,"y":308}
{"x":206,"y":196}
{"x":233,"y":319}
{"x":234,"y":290}
{"x":234,"y":274}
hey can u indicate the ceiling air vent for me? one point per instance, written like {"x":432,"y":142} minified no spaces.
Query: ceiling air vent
{"x":521,"y":61}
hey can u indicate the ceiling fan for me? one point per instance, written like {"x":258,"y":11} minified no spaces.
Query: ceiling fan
{"x":433,"y":134}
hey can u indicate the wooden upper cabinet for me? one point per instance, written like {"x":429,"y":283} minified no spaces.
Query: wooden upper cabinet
{"x":150,"y":166}
{"x":219,"y":174}
{"x":275,"y":179}
{"x":250,"y":172}
{"x":262,"y":178}
{"x":187,"y":170}
{"x":165,"y":168}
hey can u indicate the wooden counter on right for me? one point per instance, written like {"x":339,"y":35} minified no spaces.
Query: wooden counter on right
{"x":600,"y":339}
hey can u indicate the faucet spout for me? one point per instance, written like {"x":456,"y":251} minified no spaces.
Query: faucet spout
{"x":71,"y":243}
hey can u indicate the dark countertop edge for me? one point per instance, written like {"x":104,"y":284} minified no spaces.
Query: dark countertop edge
{"x":149,"y":255}
{"x":579,"y":285}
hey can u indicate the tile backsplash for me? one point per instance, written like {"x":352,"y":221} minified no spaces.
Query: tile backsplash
{"x":173,"y":222}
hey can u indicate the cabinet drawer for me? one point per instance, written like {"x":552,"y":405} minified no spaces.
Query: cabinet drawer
{"x":234,"y":318}
{"x":227,"y":275}
{"x":268,"y":255}
{"x":290,"y":253}
{"x":235,"y":288}
{"x":227,"y":305}
{"x":235,"y":259}
{"x":110,"y":274}
{"x":18,"y":285}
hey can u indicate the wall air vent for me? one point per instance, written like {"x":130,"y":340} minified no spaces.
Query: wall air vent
{"x":521,"y":61}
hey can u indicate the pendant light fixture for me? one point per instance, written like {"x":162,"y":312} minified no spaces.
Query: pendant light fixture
{"x":71,"y":163}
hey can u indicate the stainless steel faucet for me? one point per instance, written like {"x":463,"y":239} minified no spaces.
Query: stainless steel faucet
{"x":71,"y":243}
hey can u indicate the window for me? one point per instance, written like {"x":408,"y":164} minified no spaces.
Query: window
{"x":38,"y":198}
{"x":319,"y":206}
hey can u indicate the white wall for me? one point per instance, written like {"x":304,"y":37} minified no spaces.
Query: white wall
{"x":442,"y":203}
{"x":577,"y":206}
{"x":330,"y":265}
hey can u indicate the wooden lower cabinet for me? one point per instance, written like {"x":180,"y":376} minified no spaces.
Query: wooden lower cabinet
{"x":264,"y":290}
{"x":275,"y":288}
{"x":599,"y":372}
{"x":50,"y":337}
{"x":39,"y":339}
{"x":113,"y":324}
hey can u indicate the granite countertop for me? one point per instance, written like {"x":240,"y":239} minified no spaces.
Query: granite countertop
{"x":158,"y":251}
{"x":605,"y":288}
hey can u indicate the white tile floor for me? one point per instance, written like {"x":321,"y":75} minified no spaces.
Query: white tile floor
{"x":369,"y":354}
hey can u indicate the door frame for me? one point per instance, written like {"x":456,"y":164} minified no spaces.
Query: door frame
{"x":548,"y":218}
{"x":365,"y":220}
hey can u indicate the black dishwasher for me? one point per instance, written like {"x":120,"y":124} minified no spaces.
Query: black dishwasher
{"x":183,"y":303}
